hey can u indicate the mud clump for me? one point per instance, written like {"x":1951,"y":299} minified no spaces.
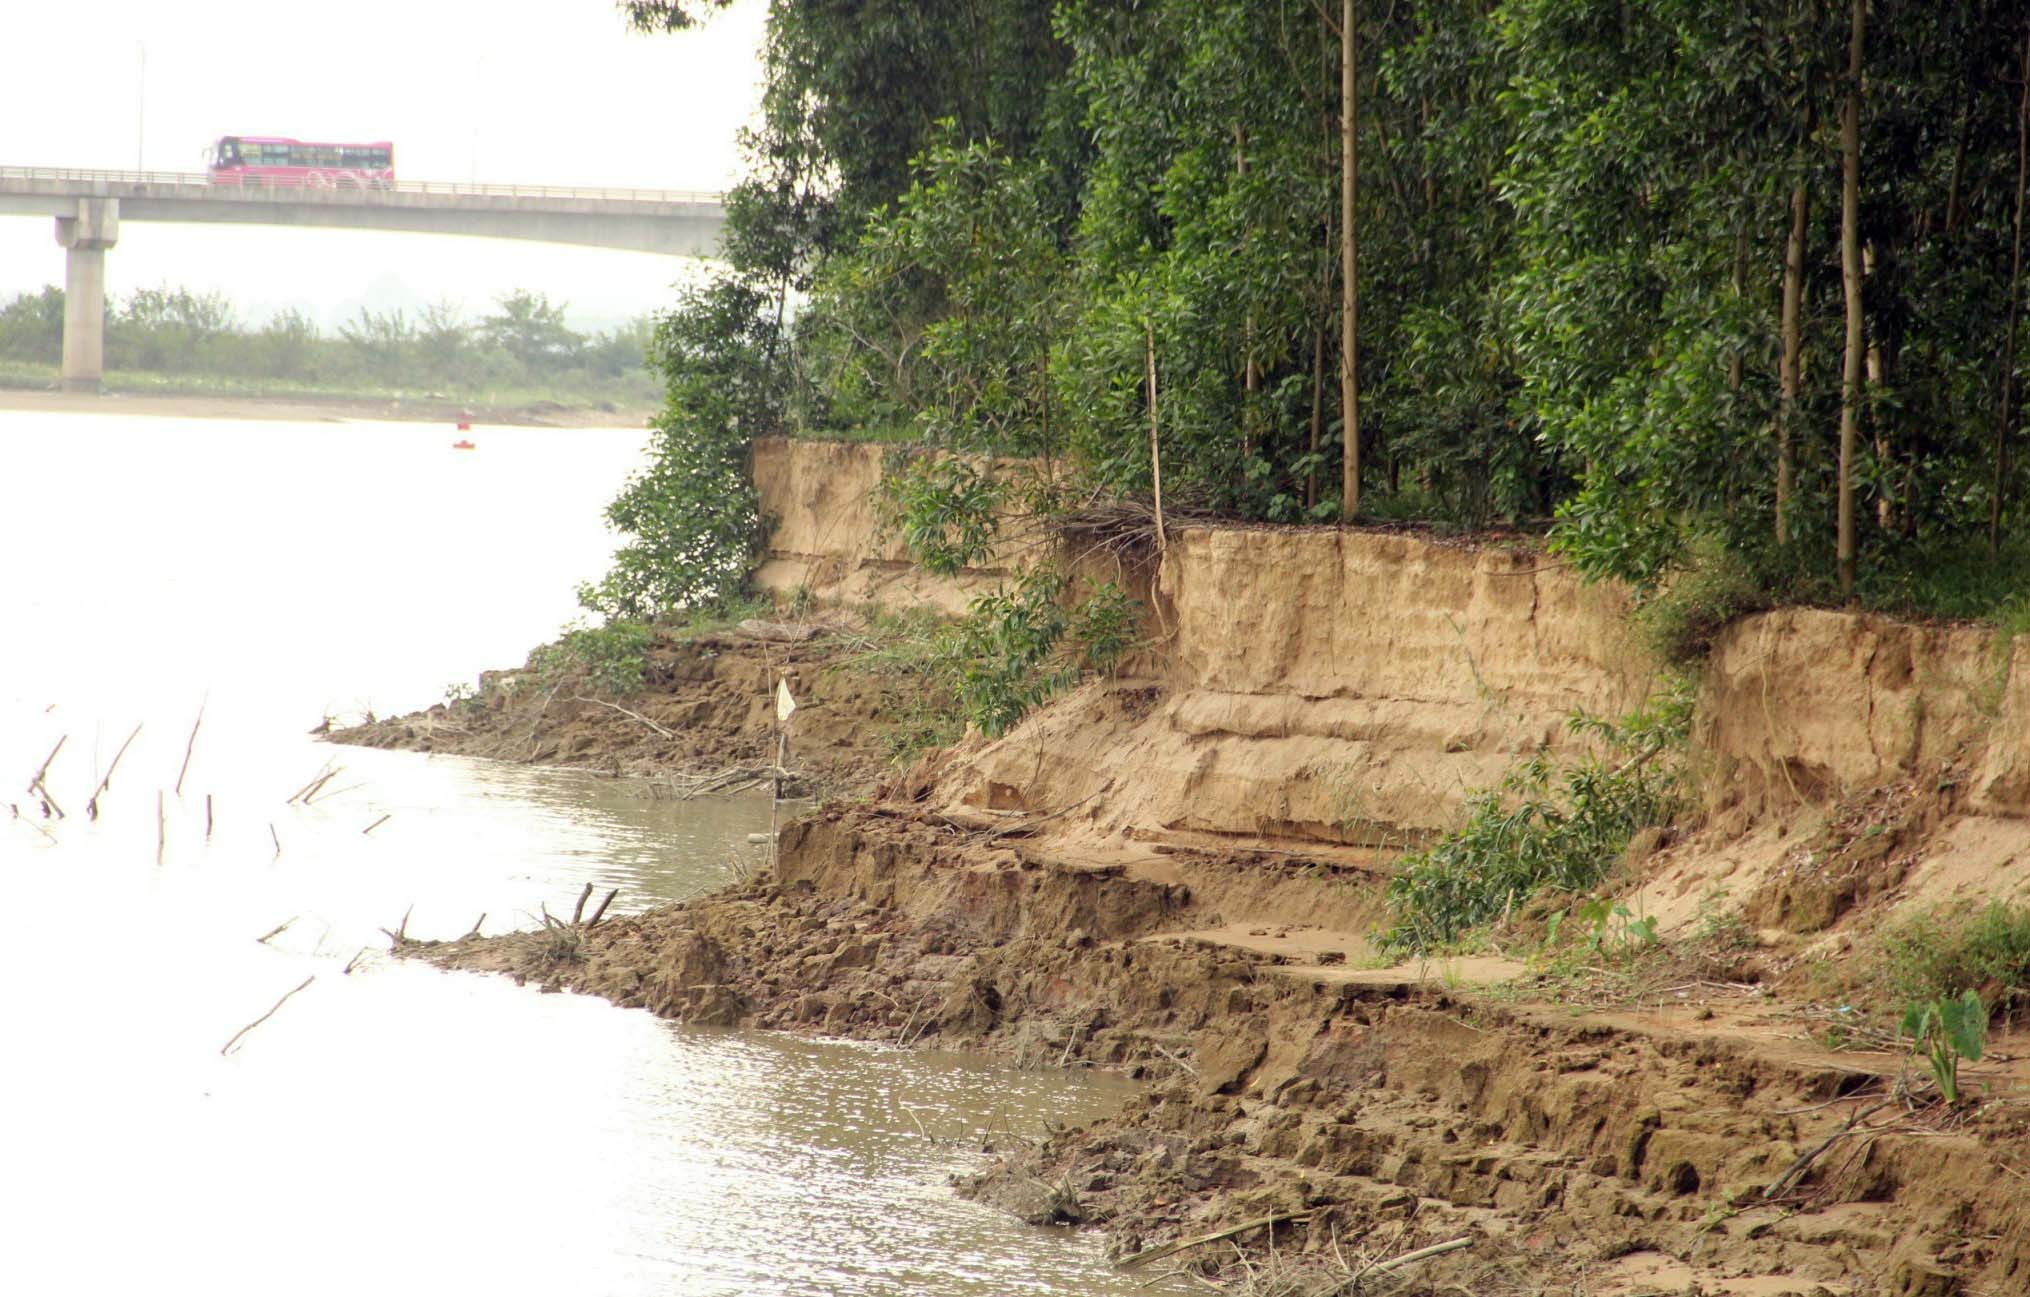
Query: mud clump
{"x":706,"y":707}
{"x":1364,"y":1119}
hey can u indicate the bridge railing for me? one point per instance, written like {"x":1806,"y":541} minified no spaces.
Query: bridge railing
{"x":202,"y":180}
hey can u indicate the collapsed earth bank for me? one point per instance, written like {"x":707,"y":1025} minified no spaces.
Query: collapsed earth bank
{"x":1176,"y":871}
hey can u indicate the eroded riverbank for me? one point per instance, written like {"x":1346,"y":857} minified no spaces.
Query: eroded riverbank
{"x":1177,"y":873}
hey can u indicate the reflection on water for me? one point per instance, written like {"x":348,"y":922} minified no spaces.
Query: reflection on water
{"x":391,"y":1128}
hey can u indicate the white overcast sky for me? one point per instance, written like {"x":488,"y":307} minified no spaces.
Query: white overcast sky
{"x":550,"y":92}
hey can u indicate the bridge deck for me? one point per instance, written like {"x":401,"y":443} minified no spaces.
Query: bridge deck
{"x":645,"y":220}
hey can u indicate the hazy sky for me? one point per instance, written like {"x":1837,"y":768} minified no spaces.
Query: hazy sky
{"x":553,"y":92}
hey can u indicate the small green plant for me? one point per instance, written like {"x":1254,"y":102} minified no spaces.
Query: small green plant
{"x":612,"y":658}
{"x":458,"y":691}
{"x":1945,"y":1031}
{"x":1611,"y":926}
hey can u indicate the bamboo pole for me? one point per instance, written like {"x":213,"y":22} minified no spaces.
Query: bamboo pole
{"x":1349,"y":247}
{"x":1155,"y":425}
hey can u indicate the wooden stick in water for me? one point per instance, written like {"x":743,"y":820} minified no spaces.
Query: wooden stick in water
{"x":264,"y":1017}
{"x":43,"y":769}
{"x":189,"y":746}
{"x":161,"y":828}
{"x":92,"y":806}
{"x":1158,"y":1253}
{"x":578,"y":910}
{"x":377,"y":823}
{"x":207,"y":817}
{"x":277,"y":837}
{"x":276,"y":931}
{"x":599,"y":912}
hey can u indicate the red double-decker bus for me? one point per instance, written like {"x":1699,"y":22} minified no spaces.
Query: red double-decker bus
{"x":266,"y":160}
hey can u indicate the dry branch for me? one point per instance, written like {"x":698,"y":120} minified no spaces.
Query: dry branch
{"x":377,"y":823}
{"x":223,"y":1049}
{"x":1421,"y":1254}
{"x":276,"y":931}
{"x":1168,"y":1249}
{"x":599,"y":911}
{"x":580,"y":698}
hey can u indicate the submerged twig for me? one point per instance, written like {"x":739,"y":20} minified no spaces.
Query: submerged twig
{"x":92,"y":806}
{"x":223,"y":1049}
{"x":276,"y":931}
{"x":190,"y":745}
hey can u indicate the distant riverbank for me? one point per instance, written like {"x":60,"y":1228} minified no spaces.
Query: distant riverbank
{"x":325,"y":409}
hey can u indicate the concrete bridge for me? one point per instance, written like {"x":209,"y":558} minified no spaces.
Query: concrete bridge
{"x":89,"y":206}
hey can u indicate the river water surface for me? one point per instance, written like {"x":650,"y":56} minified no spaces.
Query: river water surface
{"x":393,"y":1128}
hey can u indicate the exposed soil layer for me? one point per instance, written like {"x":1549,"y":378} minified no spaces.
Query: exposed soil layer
{"x":707,"y":708}
{"x":1607,"y":1153}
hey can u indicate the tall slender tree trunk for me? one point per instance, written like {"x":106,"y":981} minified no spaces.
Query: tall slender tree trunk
{"x":1876,"y":370}
{"x":1349,"y":307}
{"x":1850,"y":279}
{"x":1788,"y":368}
{"x":2005,"y":418}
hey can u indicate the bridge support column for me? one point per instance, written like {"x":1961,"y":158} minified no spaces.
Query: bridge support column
{"x":86,"y":237}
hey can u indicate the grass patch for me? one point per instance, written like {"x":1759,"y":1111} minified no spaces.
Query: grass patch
{"x":1949,"y":950}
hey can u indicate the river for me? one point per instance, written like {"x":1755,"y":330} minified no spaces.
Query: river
{"x":392,"y":1128}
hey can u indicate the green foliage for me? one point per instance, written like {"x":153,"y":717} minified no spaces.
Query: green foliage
{"x":946,"y":510}
{"x":31,"y":326}
{"x":1610,"y":926}
{"x":1945,"y":1031}
{"x":173,"y":331}
{"x":611,"y":658}
{"x":691,"y":518}
{"x":1714,"y":587}
{"x":531,"y":328}
{"x":1545,"y":827}
{"x":1942,"y":951}
{"x":1018,"y":646}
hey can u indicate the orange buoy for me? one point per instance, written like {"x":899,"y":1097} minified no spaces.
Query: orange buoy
{"x":464,"y":426}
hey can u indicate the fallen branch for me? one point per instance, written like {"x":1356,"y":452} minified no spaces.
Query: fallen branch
{"x":578,"y":910}
{"x":1782,"y":1183}
{"x":1168,"y":1249}
{"x":276,"y":931}
{"x":377,"y":823}
{"x":277,"y":837}
{"x":1421,"y":1254}
{"x":223,"y":1049}
{"x":356,"y":957}
{"x":92,"y":806}
{"x":475,"y":926}
{"x":324,"y":772}
{"x":597,"y":702}
{"x":599,"y":912}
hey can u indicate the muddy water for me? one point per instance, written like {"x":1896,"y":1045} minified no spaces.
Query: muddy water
{"x":391,"y":1128}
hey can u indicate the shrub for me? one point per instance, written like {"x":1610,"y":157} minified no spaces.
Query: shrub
{"x":1950,"y":949}
{"x":1553,"y":826}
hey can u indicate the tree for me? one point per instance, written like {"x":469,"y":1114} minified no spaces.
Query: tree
{"x":530,"y":328}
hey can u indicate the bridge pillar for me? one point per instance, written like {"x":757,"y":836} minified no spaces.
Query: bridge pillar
{"x":86,"y":237}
